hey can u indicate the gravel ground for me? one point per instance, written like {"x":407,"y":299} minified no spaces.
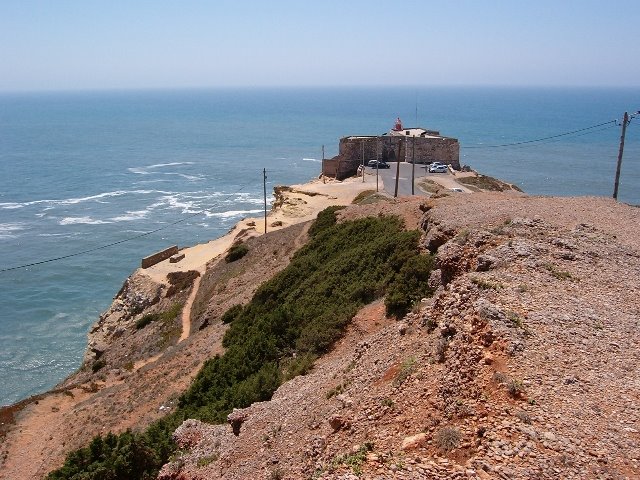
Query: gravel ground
{"x":522,"y":365}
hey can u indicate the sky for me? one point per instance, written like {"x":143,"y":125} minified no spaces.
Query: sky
{"x":134,"y":44}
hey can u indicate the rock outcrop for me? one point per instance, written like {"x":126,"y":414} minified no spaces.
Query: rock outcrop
{"x":137,"y":294}
{"x":520,"y":366}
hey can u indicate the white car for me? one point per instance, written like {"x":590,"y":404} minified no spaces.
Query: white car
{"x":437,"y":168}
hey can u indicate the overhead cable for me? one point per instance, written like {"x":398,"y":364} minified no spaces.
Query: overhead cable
{"x":101,"y":247}
{"x":526,"y":142}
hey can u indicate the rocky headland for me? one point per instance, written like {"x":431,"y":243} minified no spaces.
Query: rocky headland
{"x":522,"y":364}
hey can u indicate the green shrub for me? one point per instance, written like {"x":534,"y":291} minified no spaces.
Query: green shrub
{"x":146,"y":320}
{"x":300,"y":365}
{"x":354,"y":460}
{"x":325,"y":219}
{"x":180,"y":281}
{"x":409,"y":285}
{"x":362,"y":196}
{"x":231,"y":314}
{"x":406,"y":369}
{"x":165,"y":317}
{"x":302,"y":310}
{"x":236,"y":252}
{"x":97,"y":365}
{"x":113,"y":457}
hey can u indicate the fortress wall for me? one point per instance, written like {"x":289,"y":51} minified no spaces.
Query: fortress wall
{"x":445,"y":150}
{"x":389,"y":148}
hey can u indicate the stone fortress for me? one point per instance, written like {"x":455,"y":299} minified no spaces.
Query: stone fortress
{"x":399,"y":144}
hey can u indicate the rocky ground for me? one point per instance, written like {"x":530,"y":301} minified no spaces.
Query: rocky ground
{"x":523,"y":364}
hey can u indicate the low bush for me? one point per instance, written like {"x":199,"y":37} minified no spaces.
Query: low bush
{"x":236,"y":252}
{"x":326,"y":218}
{"x":231,"y":314}
{"x":98,"y":365}
{"x":180,"y":281}
{"x":146,"y":320}
{"x":406,"y":369}
{"x":409,"y":285}
{"x":448,"y":438}
{"x":363,"y":196}
{"x":300,"y":365}
{"x":165,"y":317}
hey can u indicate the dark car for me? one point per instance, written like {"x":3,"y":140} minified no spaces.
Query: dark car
{"x":381,"y":164}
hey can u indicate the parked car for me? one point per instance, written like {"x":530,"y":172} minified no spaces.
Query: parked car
{"x":381,"y":164}
{"x":438,"y":169}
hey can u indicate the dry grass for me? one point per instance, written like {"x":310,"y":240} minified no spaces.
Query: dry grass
{"x":448,"y":438}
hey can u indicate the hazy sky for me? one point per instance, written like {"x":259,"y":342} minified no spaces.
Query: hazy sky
{"x":91,"y":44}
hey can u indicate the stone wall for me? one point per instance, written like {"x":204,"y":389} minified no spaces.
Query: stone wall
{"x":159,"y":256}
{"x":389,"y":148}
{"x":427,"y":150}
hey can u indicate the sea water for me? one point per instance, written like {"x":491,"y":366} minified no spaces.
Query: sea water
{"x":81,"y":171}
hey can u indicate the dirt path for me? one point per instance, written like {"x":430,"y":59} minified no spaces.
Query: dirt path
{"x":186,"y":311}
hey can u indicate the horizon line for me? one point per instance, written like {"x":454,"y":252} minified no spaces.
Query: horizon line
{"x":307,"y":87}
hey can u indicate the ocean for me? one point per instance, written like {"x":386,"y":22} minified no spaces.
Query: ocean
{"x":80,"y":171}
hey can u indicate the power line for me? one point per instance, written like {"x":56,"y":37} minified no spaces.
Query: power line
{"x":541,"y":139}
{"x":590,"y":132}
{"x":101,"y":247}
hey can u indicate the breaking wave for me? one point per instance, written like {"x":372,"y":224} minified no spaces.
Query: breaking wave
{"x":232,"y":213}
{"x":7,"y":230}
{"x":81,"y":220}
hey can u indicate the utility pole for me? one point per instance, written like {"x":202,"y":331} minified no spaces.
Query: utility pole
{"x":323,"y":177}
{"x":413,"y":164}
{"x":363,"y":160}
{"x":625,"y":122}
{"x":377,"y":161}
{"x":264,"y":184}
{"x":398,"y":167}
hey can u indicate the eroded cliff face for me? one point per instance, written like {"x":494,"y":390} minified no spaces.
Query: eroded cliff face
{"x":522,"y":365}
{"x":138,"y":293}
{"x":136,"y":365}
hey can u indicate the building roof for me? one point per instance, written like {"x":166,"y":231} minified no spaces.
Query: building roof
{"x":415,"y":132}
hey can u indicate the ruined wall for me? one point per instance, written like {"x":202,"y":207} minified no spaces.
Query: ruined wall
{"x":158,"y":257}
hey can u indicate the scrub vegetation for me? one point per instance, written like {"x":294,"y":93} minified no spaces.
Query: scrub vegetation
{"x":291,"y":320}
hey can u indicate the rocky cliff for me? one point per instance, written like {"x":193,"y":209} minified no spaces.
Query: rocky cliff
{"x":521,"y":365}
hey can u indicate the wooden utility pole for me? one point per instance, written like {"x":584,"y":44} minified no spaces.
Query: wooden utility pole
{"x":413,"y":162}
{"x":363,"y":160}
{"x":264,"y":184}
{"x":398,"y":167}
{"x":377,"y":161}
{"x":625,"y":122}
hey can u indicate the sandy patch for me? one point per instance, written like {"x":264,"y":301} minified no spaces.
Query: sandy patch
{"x":298,"y":204}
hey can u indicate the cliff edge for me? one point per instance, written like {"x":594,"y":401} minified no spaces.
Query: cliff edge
{"x":521,"y":365}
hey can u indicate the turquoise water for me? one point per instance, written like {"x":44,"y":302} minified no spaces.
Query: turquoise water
{"x":82,"y":170}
